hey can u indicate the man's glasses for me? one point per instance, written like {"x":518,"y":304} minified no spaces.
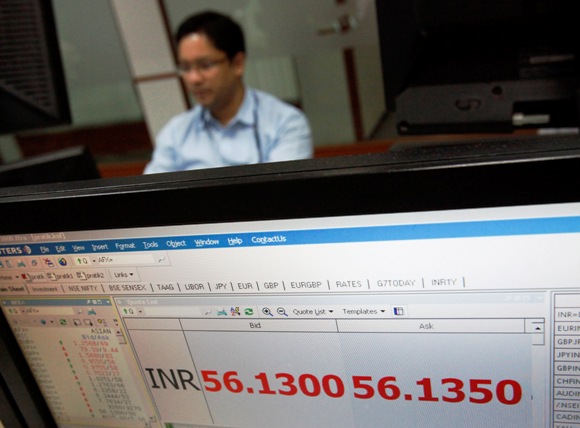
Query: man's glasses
{"x":201,"y":67}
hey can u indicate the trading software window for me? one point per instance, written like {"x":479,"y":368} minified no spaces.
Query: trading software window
{"x":443,"y":319}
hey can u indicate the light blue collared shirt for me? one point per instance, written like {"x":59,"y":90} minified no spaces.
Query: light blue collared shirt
{"x":265,"y":129}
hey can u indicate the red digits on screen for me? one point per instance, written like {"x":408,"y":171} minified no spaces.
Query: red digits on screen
{"x":452,"y":390}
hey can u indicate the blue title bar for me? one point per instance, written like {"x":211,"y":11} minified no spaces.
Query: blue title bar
{"x":472,"y":229}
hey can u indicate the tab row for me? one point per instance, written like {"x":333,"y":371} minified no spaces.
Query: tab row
{"x":128,"y":281}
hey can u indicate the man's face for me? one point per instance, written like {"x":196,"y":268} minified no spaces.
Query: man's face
{"x":207,"y":72}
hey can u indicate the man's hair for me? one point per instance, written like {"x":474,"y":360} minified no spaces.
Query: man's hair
{"x":225,"y":34}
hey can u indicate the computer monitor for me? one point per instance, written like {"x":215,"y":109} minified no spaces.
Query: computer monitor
{"x":32,"y":87}
{"x":71,"y":164}
{"x":480,"y":66}
{"x":433,"y":289}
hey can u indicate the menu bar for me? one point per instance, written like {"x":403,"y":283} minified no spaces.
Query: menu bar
{"x":299,"y":237}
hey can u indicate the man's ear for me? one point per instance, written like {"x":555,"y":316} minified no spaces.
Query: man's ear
{"x":239,"y":63}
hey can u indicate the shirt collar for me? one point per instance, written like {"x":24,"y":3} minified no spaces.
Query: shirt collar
{"x":245,"y":114}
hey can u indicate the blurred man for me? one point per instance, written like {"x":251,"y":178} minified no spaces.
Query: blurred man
{"x":231,"y":124}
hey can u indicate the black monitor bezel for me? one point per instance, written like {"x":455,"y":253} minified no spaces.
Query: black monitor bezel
{"x":71,"y":164}
{"x":487,"y":173}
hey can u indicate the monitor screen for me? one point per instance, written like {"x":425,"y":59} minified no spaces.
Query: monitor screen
{"x":32,"y":86}
{"x":438,"y":289}
{"x":480,"y":66}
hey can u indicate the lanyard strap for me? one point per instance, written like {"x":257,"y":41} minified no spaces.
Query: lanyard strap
{"x":256,"y":133}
